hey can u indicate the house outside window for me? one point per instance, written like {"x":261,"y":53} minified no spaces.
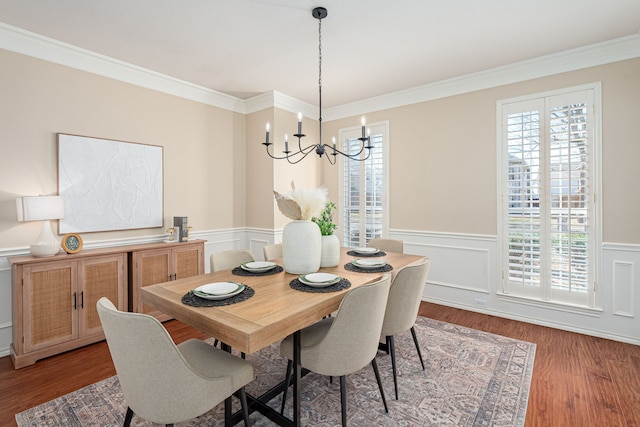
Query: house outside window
{"x":364,"y":186}
{"x":549,"y":163}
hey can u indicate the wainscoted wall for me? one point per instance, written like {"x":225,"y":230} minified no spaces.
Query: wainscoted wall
{"x":463,"y":274}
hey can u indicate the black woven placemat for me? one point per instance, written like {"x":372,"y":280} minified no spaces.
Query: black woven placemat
{"x":299,"y":286}
{"x":239,"y":271}
{"x":365,"y":255}
{"x":349,"y":266}
{"x":195,"y":301}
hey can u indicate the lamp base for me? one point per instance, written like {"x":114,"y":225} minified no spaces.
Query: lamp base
{"x":47,"y":244}
{"x":47,"y":250}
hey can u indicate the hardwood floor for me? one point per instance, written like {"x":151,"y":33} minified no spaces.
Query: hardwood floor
{"x":578,"y":380}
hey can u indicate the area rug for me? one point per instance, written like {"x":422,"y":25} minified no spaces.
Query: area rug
{"x":472,"y":378}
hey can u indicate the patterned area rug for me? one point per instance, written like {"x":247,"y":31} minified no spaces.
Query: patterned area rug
{"x":472,"y":378}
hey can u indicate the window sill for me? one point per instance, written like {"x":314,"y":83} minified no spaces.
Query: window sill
{"x":552,"y":305}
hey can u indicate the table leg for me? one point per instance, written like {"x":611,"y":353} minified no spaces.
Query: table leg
{"x":296,"y":378}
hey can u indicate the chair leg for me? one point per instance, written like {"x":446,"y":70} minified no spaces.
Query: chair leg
{"x":375,"y":371}
{"x":168,"y":425}
{"x":215,"y":342}
{"x":392,"y":350}
{"x":287,"y":380}
{"x":245,"y":407}
{"x":415,"y":341}
{"x":128,"y":417}
{"x":343,"y":399}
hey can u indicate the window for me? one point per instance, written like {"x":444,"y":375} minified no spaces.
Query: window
{"x":363,"y":187}
{"x":549,"y":163}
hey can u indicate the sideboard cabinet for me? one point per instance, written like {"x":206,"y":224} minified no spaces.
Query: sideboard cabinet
{"x":54,"y":299}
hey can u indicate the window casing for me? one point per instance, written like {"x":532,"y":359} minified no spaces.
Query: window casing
{"x":549,"y":176}
{"x":364,"y":187}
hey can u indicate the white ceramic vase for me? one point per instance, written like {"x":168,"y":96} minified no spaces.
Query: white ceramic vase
{"x":330,"y":251}
{"x":301,"y":247}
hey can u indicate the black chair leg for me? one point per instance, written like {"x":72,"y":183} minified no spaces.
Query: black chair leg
{"x":168,"y":425}
{"x":415,"y":340}
{"x":128,"y":417}
{"x":375,"y":371}
{"x":394,"y":367}
{"x":215,"y":342}
{"x":287,"y":380}
{"x":343,"y":400}
{"x":245,"y":407}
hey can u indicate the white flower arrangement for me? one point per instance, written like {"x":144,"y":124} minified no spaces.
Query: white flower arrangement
{"x":301,"y":204}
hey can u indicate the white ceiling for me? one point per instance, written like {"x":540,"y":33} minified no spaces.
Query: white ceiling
{"x":369,"y":47}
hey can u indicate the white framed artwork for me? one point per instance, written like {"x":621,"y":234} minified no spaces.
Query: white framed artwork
{"x":109,"y":185}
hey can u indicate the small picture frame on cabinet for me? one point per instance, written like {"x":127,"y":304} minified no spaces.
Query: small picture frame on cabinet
{"x":71,"y":243}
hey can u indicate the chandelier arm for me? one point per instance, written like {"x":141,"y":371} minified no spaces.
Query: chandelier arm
{"x":289,"y":154}
{"x":335,"y":152}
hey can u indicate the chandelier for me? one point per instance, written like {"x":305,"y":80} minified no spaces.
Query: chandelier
{"x":330,"y":151}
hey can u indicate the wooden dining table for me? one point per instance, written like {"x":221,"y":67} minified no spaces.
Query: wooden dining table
{"x":275,"y":311}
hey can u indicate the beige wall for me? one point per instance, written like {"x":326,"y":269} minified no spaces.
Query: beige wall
{"x":442,"y":152}
{"x":204,"y":146}
{"x":443,"y":155}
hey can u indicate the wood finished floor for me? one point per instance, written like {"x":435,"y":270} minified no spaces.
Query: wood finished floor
{"x":578,"y":380}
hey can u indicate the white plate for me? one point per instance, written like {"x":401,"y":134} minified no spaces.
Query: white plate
{"x":258,"y":266}
{"x":218,"y":290}
{"x":367,"y":250}
{"x":368,"y":264}
{"x":319,"y":280}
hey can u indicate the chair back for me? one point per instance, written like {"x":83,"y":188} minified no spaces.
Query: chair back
{"x":352,"y":339}
{"x":226,"y":260}
{"x":405,"y":295}
{"x":387,"y":245}
{"x":272,"y":251}
{"x":151,"y":369}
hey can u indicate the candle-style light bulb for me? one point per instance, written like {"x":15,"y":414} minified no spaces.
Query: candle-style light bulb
{"x":363,"y":121}
{"x":286,"y":143}
{"x":334,"y":144}
{"x":299,"y":123}
{"x":267,"y":141}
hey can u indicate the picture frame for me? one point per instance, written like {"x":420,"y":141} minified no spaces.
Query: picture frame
{"x":109,"y":185}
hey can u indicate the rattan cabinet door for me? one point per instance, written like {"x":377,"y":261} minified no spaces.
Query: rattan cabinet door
{"x":50,"y":295}
{"x":188,"y":260}
{"x":149,"y":267}
{"x":98,"y":277}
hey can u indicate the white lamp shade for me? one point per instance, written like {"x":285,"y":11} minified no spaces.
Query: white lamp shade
{"x":39,"y":208}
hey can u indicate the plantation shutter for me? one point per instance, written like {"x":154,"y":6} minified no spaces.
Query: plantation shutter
{"x":548,"y":198}
{"x":363,"y":187}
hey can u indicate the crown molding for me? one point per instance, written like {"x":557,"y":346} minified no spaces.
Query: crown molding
{"x":31,"y":44}
{"x":615,"y":50}
{"x":276,"y":99}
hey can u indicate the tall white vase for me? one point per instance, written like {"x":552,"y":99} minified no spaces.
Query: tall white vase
{"x":330,"y":251}
{"x":301,"y":247}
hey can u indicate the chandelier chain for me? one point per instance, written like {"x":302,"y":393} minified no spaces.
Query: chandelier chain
{"x":320,"y":52}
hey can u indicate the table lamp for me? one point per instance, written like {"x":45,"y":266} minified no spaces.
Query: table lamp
{"x":42,"y":208}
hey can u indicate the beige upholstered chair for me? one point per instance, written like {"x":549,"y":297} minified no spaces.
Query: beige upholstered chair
{"x":164,"y":383}
{"x":405,"y":295}
{"x":272,"y":251}
{"x":340,"y":345}
{"x":387,"y":245}
{"x":229,"y":259}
